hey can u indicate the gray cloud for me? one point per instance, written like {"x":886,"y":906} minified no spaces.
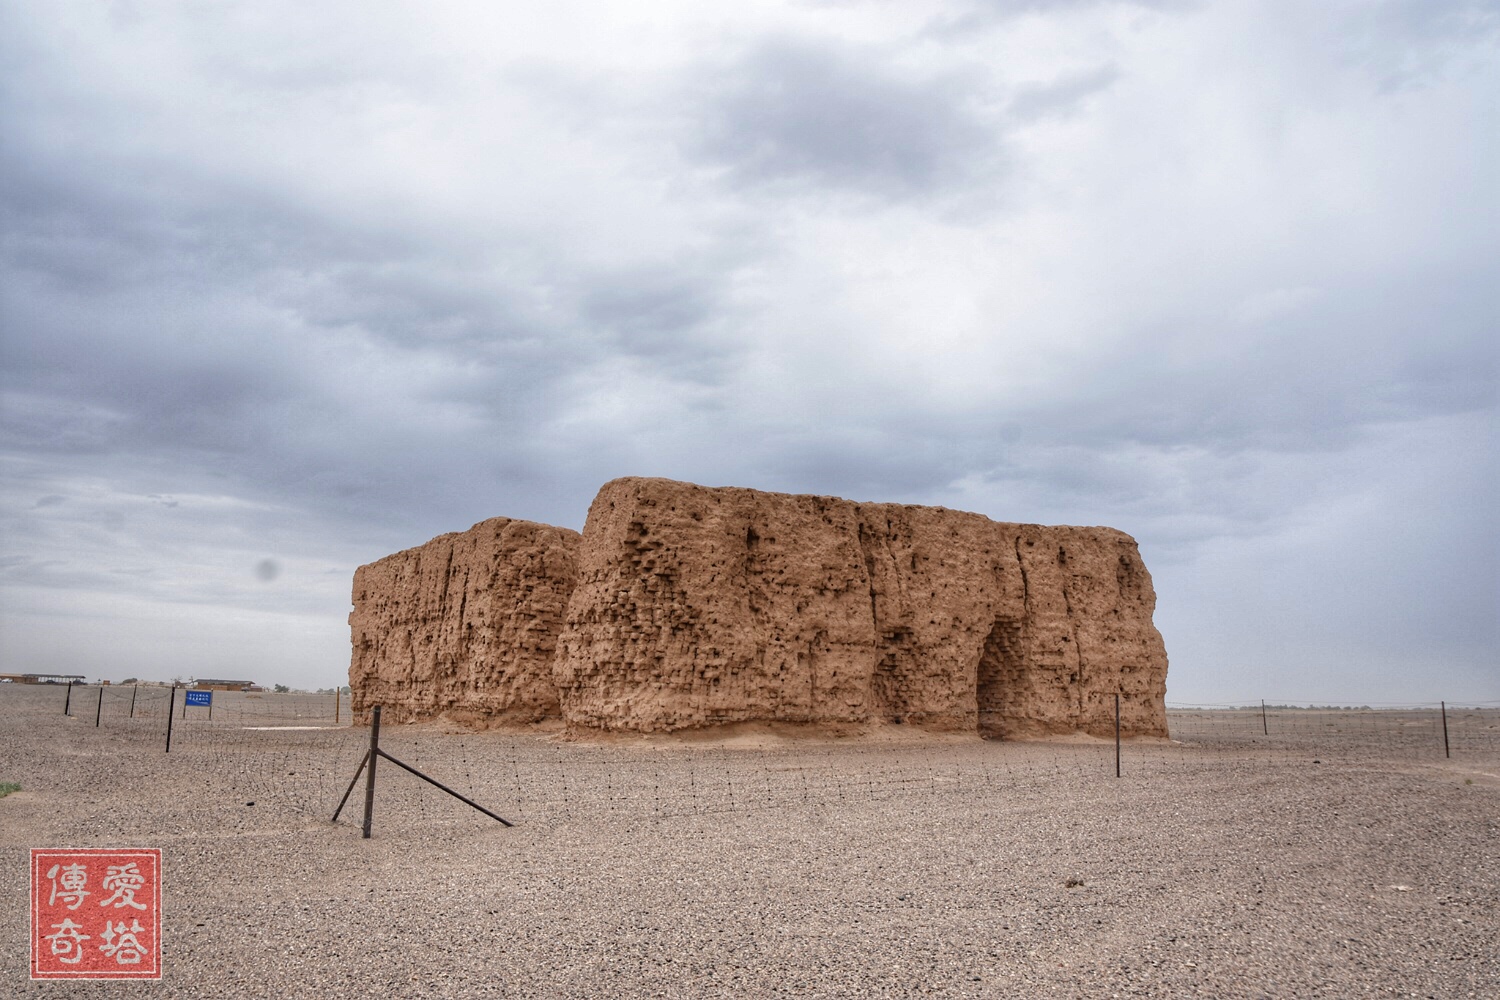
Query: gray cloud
{"x":1060,"y":96}
{"x":791,"y":113}
{"x":979,"y":15}
{"x":1408,"y":43}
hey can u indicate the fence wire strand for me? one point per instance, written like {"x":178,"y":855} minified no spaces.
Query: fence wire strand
{"x":280,"y":759}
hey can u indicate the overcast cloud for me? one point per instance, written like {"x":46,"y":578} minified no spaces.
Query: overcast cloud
{"x":284,"y":288}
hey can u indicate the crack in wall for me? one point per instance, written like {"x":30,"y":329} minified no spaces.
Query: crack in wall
{"x":1078,"y":657}
{"x":1025,"y":579}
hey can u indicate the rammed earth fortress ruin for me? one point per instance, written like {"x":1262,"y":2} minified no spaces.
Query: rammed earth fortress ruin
{"x":683,"y":606}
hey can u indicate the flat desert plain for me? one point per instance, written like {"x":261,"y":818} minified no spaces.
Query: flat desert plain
{"x":1342,"y":855}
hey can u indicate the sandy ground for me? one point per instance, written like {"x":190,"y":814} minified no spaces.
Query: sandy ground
{"x":1336,"y":857}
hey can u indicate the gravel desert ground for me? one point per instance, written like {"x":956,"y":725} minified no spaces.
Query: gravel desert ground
{"x":1340,"y":855}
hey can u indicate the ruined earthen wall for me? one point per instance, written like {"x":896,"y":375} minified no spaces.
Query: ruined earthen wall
{"x":696,"y":606}
{"x":466,"y":624}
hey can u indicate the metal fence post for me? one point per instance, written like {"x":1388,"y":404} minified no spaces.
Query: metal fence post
{"x":171,"y":702}
{"x":1117,"y":736}
{"x":133,"y":692}
{"x":68,"y":701}
{"x":1446,"y":752}
{"x":1265,"y":729}
{"x":370,"y":771}
{"x":99,"y":708}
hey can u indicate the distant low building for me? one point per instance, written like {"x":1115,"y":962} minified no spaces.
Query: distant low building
{"x":215,"y":684}
{"x":44,"y":678}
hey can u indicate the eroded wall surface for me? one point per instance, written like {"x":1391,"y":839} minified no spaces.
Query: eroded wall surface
{"x":696,"y":606}
{"x":466,"y":624}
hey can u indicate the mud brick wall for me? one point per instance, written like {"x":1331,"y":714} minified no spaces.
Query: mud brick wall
{"x":696,"y":606}
{"x":466,"y":624}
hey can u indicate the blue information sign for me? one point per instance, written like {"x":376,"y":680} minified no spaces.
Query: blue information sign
{"x":198,"y":697}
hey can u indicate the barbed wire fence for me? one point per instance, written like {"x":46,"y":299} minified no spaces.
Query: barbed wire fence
{"x":290,"y":757}
{"x":1401,"y":730}
{"x":271,"y":752}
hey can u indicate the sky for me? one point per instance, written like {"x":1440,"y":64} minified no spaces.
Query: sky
{"x":286,"y":287}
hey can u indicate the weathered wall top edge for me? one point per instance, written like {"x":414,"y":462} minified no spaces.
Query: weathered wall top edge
{"x":407,"y":553}
{"x":647,"y":484}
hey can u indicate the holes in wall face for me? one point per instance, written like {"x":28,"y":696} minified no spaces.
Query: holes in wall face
{"x":1129,"y":575}
{"x":895,"y":646}
{"x":759,"y":564}
{"x":1002,"y":666}
{"x":888,"y":685}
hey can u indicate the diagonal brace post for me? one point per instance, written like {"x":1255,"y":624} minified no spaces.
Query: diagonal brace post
{"x":432,"y":781}
{"x":352,"y":782}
